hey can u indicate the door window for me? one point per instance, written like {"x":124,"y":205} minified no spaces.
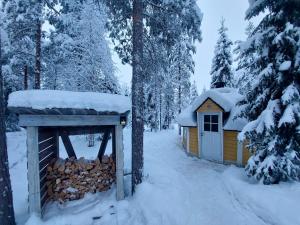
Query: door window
{"x":211,"y":123}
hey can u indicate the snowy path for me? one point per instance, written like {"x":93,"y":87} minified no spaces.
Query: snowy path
{"x":177,"y":190}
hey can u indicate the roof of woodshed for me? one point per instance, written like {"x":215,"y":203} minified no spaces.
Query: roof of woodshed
{"x":67,"y":103}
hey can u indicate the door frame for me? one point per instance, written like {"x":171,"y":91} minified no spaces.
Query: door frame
{"x":200,"y":119}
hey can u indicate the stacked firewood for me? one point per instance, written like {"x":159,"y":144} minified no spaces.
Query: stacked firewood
{"x":70,"y":179}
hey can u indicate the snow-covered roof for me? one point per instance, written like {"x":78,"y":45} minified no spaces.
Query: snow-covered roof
{"x":233,"y":122}
{"x":225,"y":98}
{"x":187,"y":118}
{"x":54,"y":99}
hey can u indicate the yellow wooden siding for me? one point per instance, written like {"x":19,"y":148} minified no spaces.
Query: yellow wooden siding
{"x":209,"y":106}
{"x":194,"y":141}
{"x":246,"y":153}
{"x":230,"y":146}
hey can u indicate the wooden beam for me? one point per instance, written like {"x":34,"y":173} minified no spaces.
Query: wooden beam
{"x":119,"y":162}
{"x":113,"y":140}
{"x":103,"y":145}
{"x":68,"y":120}
{"x":57,"y":144}
{"x":33,"y":173}
{"x":67,"y":143}
{"x":86,"y":130}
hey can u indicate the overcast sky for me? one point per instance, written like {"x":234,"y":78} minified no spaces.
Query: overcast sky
{"x":213,"y":10}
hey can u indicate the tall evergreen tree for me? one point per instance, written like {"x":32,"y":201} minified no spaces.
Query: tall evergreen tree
{"x":221,"y":71}
{"x":194,"y":92}
{"x":137,"y":93}
{"x":80,"y":56}
{"x":6,"y":200}
{"x":273,"y":103}
{"x":19,"y":22}
{"x":182,"y":70}
{"x":245,"y":56}
{"x":166,"y":21}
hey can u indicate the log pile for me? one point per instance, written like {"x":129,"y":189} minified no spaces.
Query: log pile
{"x":70,"y":179}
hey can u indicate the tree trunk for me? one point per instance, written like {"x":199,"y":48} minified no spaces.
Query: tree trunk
{"x":37,"y":78}
{"x":160,"y":108}
{"x":137,"y":95}
{"x":7,"y":216}
{"x":179,"y":94}
{"x":25,"y":77}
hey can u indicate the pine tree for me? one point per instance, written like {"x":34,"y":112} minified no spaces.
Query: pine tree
{"x":7,"y":216}
{"x":193,"y":92}
{"x":165,"y":22}
{"x":182,"y":70}
{"x":80,"y":56}
{"x":221,"y":71}
{"x":137,"y":93}
{"x":245,"y":56}
{"x":19,"y":22}
{"x":272,"y":104}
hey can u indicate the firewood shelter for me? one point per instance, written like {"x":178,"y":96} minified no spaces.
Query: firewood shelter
{"x":48,"y":115}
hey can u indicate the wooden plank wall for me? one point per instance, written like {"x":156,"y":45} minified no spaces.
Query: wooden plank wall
{"x":194,"y":141}
{"x":246,"y":153}
{"x":230,"y":146}
{"x":48,"y":150}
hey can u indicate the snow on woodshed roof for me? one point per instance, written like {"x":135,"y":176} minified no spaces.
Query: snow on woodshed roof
{"x":87,"y":102}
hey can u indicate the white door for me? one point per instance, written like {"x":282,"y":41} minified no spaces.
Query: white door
{"x":211,"y":136}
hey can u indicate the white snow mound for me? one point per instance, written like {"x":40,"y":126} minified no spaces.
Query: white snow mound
{"x":51,"y":99}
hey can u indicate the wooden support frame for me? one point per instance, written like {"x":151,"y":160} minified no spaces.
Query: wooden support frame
{"x":113,"y":141}
{"x":67,"y":143}
{"x":83,"y":130}
{"x":103,"y":144}
{"x":44,"y":126}
{"x":68,"y":120}
{"x":33,"y":174}
{"x":119,"y":162}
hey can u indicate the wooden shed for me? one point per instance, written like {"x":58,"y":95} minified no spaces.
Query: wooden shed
{"x":48,"y":115}
{"x":210,"y":127}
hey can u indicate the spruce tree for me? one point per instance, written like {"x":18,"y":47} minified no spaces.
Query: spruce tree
{"x":273,"y":103}
{"x":193,"y":92}
{"x":19,"y":22}
{"x":164,"y":23}
{"x":245,"y":56}
{"x":78,"y":54}
{"x":221,"y":71}
{"x":7,"y":216}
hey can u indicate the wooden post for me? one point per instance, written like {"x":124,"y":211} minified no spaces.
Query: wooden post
{"x":119,"y":162}
{"x":68,"y":145}
{"x":103,"y":144}
{"x":33,"y":173}
{"x":56,"y":133}
{"x":25,"y":77}
{"x":113,"y":141}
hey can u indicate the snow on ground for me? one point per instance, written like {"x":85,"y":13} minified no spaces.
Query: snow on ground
{"x":177,"y":189}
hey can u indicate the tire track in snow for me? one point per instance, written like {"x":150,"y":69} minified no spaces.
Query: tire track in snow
{"x":243,"y":208}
